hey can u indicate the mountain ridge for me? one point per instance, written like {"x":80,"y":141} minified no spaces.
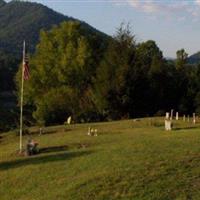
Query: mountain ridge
{"x":194,"y":58}
{"x":24,"y":20}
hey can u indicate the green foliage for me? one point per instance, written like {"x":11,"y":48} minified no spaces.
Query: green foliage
{"x":73,"y":74}
{"x":74,"y":71}
{"x":181,"y":58}
{"x":111,"y":85}
{"x":2,"y":3}
{"x":56,"y":105}
{"x":21,"y":21}
{"x":61,"y":72}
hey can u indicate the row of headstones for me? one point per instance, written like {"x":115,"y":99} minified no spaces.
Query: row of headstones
{"x":169,"y":118}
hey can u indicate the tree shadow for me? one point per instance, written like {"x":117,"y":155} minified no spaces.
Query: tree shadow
{"x":53,"y":149}
{"x":49,"y":131}
{"x":184,"y":128}
{"x":42,"y":159}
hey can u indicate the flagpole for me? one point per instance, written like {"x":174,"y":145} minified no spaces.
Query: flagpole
{"x":22,"y":98}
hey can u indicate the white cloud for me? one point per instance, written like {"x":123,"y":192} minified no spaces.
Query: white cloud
{"x":146,"y":6}
{"x":153,"y":6}
{"x":169,"y":9}
{"x":197,"y":2}
{"x":180,"y":9}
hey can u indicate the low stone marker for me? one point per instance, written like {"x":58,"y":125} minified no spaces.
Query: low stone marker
{"x":41,"y":130}
{"x":92,"y":131}
{"x":168,"y":125}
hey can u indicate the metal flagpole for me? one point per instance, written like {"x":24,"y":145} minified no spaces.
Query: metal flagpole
{"x":22,"y":95}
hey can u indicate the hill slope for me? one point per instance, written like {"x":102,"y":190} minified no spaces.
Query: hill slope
{"x":23,"y":21}
{"x":122,"y":163}
{"x":20,"y":21}
{"x":194,"y":59}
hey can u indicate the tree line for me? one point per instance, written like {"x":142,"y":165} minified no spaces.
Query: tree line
{"x":76,"y":72}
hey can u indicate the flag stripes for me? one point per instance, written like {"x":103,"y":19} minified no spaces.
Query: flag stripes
{"x":26,"y":68}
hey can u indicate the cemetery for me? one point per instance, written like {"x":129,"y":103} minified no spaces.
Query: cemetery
{"x":93,"y":108}
{"x":129,"y":158}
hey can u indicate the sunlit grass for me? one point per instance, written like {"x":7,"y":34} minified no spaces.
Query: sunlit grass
{"x":134,"y":160}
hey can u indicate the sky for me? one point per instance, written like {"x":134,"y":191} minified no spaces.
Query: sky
{"x":173,"y":24}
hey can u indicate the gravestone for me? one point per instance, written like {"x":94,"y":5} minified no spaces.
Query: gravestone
{"x":41,"y":130}
{"x":92,"y":131}
{"x":194,"y":118}
{"x":69,"y":119}
{"x":167,"y":115}
{"x":184,"y":118}
{"x":176,"y":115}
{"x":89,"y":131}
{"x":168,"y":125}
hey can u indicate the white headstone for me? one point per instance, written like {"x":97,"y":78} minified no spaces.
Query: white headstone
{"x":167,"y":115}
{"x":184,"y":118}
{"x":176,"y":115}
{"x":69,"y":119}
{"x":95,"y":132}
{"x":168,"y":125}
{"x":89,"y":131}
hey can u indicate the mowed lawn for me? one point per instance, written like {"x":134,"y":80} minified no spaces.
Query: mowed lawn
{"x":134,"y":160}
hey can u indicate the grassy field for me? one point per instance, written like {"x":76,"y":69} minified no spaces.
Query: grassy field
{"x":129,"y":160}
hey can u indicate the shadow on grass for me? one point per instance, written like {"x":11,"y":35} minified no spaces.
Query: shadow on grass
{"x":42,"y":159}
{"x":49,"y":131}
{"x":185,"y":128}
{"x":54,"y":149}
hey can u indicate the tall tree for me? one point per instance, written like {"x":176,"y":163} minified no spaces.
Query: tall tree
{"x":62,"y":70}
{"x":111,"y":93}
{"x":181,"y":58}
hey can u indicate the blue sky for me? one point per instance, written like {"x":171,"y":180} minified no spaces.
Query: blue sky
{"x":173,"y":24}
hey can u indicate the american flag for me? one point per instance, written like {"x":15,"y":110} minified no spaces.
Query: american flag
{"x":26,"y":73}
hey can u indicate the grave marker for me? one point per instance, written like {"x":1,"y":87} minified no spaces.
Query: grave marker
{"x":168,"y":125}
{"x":171,"y":117}
{"x":176,"y":115}
{"x":194,"y":118}
{"x":167,"y":115}
{"x":188,"y":118}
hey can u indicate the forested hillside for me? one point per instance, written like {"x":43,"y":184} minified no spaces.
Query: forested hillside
{"x":20,"y":21}
{"x":23,"y":21}
{"x":92,"y":80}
{"x":79,"y":71}
{"x":194,"y":59}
